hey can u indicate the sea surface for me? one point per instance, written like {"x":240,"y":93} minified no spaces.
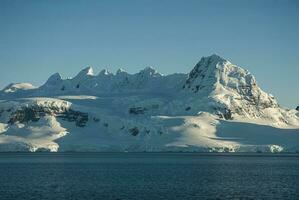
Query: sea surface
{"x":154,"y":176}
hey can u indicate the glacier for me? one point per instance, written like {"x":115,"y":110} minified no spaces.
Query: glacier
{"x":217,"y":107}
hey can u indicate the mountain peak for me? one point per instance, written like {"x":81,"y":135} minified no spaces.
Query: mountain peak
{"x":86,"y":71}
{"x":104,"y":72}
{"x":150,"y":71}
{"x":216,"y":69}
{"x":54,"y":79}
{"x":206,"y":73}
{"x":120,"y":71}
{"x":214,"y":57}
{"x":212,"y":61}
{"x":230,"y":86}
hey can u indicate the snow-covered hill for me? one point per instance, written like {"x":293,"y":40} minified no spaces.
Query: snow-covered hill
{"x":218,"y":107}
{"x":14,"y":87}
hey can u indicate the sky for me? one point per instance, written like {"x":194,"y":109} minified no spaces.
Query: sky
{"x":41,"y":37}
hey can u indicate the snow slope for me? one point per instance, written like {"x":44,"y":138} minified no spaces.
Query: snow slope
{"x":217,"y":107}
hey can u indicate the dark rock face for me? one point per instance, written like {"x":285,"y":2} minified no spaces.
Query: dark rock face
{"x":25,"y":115}
{"x":188,"y":108}
{"x":297,"y":108}
{"x":79,"y":118}
{"x":137,"y":110}
{"x":227,"y":114}
{"x":224,"y":113}
{"x":96,"y":119}
{"x":34,"y":113}
{"x":200,"y":74}
{"x":134,"y":131}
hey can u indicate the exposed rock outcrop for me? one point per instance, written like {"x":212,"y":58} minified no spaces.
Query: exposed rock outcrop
{"x":35,"y":112}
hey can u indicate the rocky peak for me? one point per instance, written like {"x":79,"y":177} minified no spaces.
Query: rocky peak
{"x":88,"y":71}
{"x":214,"y":72}
{"x":105,"y":72}
{"x":54,"y":79}
{"x":120,"y":71}
{"x":297,"y":108}
{"x":205,"y":73}
{"x":231,"y":87}
{"x":149,"y":71}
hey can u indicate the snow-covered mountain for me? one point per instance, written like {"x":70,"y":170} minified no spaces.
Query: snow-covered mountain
{"x":13,"y":87}
{"x":218,"y":106}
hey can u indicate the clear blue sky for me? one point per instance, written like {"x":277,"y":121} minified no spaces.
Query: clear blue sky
{"x":39,"y":38}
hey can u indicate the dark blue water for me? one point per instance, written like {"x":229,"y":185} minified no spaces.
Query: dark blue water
{"x":88,"y":176}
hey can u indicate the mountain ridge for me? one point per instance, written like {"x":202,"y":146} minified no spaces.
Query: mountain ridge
{"x":148,"y":111}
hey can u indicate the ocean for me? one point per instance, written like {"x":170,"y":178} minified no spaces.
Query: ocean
{"x":153,"y":176}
